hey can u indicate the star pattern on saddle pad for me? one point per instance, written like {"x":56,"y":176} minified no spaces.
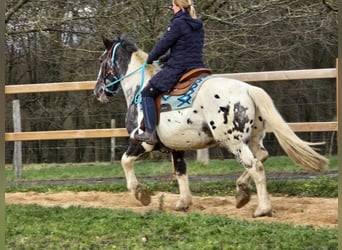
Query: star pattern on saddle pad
{"x":185,"y":100}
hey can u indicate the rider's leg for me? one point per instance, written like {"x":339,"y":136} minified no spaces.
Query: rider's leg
{"x":149,"y":93}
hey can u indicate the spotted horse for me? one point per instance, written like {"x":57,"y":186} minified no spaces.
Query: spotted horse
{"x":225,"y":112}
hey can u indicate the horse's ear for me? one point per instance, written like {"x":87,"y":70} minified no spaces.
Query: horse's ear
{"x":128,"y":43}
{"x":107,"y":43}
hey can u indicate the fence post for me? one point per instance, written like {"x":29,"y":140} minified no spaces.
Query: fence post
{"x":203,"y":156}
{"x":17,"y":155}
{"x":112,"y":142}
{"x":337,"y":89}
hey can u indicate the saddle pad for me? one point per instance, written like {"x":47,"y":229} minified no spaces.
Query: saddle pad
{"x":172,"y":102}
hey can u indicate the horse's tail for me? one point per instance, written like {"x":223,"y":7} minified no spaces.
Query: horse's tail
{"x":298,"y":150}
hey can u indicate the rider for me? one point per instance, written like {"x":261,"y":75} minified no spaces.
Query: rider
{"x":184,"y":39}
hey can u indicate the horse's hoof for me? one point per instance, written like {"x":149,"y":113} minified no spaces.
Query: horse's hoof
{"x":182,"y":207}
{"x":243,"y":196}
{"x":266,"y":213}
{"x":143,"y":195}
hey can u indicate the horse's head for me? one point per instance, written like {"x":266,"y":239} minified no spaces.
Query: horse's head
{"x":114,"y":62}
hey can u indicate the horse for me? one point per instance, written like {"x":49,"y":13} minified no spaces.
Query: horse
{"x":225,"y":112}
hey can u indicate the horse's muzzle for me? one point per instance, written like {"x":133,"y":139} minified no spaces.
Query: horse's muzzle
{"x":100,"y":93}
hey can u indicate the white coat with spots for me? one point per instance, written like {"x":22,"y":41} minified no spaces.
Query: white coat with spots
{"x":225,"y":112}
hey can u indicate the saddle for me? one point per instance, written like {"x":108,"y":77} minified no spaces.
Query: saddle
{"x":183,"y":85}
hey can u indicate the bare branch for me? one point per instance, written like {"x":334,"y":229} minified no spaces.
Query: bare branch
{"x":14,"y":9}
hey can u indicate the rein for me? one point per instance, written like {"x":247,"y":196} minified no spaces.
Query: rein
{"x":137,"y":98}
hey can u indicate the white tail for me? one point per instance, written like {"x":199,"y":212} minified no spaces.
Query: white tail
{"x":298,"y":150}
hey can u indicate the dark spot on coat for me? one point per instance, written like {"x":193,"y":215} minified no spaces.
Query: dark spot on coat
{"x":225,"y":111}
{"x":212,"y":124}
{"x":206,"y":130}
{"x":195,"y":111}
{"x":260,"y":118}
{"x":189,"y":121}
{"x":217,"y":96}
{"x":240,"y":117}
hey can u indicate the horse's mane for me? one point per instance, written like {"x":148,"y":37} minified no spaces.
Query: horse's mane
{"x":141,"y":56}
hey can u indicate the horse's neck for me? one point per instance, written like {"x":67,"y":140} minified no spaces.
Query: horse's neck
{"x":133,"y":83}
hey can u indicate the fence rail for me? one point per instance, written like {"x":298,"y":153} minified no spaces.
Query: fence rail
{"x":121,"y":132}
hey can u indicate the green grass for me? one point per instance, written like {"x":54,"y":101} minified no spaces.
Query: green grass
{"x":34,"y":227}
{"x":318,"y":187}
{"x":149,"y":168}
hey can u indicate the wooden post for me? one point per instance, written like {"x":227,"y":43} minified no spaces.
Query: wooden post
{"x":112,"y":143}
{"x":337,"y":89}
{"x":203,"y":156}
{"x":17,"y":155}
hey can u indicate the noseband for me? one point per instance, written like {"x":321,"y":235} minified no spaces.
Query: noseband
{"x":111,"y":75}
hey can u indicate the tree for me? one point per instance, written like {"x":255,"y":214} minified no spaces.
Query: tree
{"x":61,"y":41}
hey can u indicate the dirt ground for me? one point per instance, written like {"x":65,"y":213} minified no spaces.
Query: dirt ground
{"x":318,"y":212}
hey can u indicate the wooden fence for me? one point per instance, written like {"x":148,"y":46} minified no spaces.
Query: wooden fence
{"x":121,"y":132}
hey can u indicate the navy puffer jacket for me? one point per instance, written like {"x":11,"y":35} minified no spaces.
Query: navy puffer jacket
{"x":184,"y":37}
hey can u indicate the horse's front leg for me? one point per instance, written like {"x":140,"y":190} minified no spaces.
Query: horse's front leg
{"x":133,"y":152}
{"x":185,"y":199}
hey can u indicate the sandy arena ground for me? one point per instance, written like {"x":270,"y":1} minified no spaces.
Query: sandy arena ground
{"x":318,"y":212}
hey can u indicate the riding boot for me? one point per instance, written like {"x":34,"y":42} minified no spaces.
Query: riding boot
{"x":150,"y":121}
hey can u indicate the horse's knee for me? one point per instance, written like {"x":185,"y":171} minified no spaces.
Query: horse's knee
{"x":179,"y":162}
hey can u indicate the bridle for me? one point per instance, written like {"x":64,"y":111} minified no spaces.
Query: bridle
{"x":111,"y":74}
{"x":114,"y":78}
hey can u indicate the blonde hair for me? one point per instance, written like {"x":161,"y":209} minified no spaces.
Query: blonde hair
{"x":186,"y":4}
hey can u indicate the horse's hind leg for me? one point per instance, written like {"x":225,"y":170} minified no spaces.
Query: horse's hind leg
{"x":256,"y":139}
{"x":255,"y":169}
{"x":243,"y":188}
{"x":185,"y":199}
{"x":133,"y":152}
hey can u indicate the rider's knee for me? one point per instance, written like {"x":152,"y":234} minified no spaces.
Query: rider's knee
{"x":150,"y":91}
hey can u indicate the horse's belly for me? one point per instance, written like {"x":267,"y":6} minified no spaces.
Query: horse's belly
{"x":174,"y":134}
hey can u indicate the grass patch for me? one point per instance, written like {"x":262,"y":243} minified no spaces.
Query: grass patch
{"x":35,"y":227}
{"x":148,"y":168}
{"x":318,"y":187}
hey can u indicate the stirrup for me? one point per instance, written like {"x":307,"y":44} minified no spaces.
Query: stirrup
{"x":149,"y":138}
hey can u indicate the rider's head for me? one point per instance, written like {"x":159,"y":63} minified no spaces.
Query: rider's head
{"x":178,"y":5}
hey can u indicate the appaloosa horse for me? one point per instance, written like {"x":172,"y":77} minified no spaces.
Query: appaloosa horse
{"x":224,"y":112}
